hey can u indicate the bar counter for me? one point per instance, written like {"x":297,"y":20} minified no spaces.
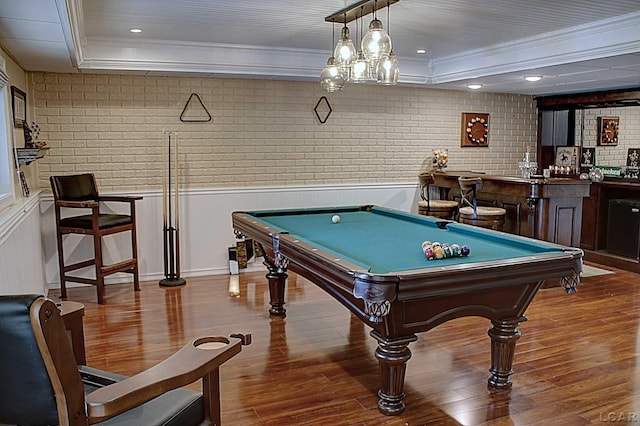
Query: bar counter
{"x":546,"y":209}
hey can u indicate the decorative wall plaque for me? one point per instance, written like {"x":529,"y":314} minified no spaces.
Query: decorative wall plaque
{"x":475,"y":129}
{"x":608,"y":130}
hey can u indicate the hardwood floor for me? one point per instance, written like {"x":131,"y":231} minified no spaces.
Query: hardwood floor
{"x":576,"y":362}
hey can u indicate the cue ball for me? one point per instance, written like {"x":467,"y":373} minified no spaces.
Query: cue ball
{"x":335,"y":218}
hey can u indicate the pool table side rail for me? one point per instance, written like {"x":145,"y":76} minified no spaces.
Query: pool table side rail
{"x":308,"y":210}
{"x":514,"y":271}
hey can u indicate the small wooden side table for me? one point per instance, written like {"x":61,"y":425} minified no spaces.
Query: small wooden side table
{"x":72,"y":313}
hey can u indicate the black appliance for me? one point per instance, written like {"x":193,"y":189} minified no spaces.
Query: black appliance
{"x":623,"y":232}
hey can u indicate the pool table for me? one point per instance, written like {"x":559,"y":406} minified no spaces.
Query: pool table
{"x":372,"y":262}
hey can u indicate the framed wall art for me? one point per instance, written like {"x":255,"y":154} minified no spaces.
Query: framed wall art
{"x":588,"y":157}
{"x":608,"y":130}
{"x":475,"y":129}
{"x":566,"y":156}
{"x":19,"y":103}
{"x":633,"y":157}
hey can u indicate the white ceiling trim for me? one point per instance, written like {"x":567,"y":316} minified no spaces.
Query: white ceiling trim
{"x":72,"y":23}
{"x":609,"y":37}
{"x":234,"y":59}
{"x":201,"y":57}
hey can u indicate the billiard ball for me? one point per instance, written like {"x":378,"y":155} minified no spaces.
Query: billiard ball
{"x":464,"y":250}
{"x":438,"y":252}
{"x":428,"y":253}
{"x":335,"y":218}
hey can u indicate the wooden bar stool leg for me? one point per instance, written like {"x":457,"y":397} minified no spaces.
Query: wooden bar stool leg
{"x":134,"y":251}
{"x":63,"y":286}
{"x":97,"y":247}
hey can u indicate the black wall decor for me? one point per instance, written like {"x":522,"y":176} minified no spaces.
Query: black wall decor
{"x":324,"y":105}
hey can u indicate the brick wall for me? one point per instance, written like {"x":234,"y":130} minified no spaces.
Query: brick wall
{"x":265,"y":132}
{"x":629,"y":129}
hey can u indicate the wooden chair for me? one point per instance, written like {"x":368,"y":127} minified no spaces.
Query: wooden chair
{"x":473,"y":214}
{"x":445,"y":209}
{"x":42,"y":385}
{"x":80,"y":192}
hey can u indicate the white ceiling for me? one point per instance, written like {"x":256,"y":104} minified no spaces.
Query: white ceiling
{"x":577,"y":45}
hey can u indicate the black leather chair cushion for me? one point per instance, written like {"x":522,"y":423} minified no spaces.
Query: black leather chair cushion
{"x":27,"y":395}
{"x":77,"y":188}
{"x":105,"y":221}
{"x":180,"y":407}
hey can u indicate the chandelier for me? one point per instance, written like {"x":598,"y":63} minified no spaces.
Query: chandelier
{"x":372,"y":61}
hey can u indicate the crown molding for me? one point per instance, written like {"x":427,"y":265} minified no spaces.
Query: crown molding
{"x":204,"y":58}
{"x":219,"y":60}
{"x":72,"y":23}
{"x":601,"y":39}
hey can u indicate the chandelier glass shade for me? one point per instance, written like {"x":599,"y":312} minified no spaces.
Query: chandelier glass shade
{"x":376,"y":43}
{"x":331,"y":77}
{"x":345,"y":52}
{"x":360,"y":71}
{"x":387,"y":70}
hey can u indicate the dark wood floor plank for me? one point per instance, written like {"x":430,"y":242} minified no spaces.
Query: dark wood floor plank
{"x":575,"y":362}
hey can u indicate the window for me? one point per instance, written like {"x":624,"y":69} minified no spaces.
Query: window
{"x":6,"y":157}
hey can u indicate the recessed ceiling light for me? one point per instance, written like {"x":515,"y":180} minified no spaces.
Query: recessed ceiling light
{"x":135,"y":30}
{"x":474,"y":86}
{"x":533,"y":77}
{"x":421,"y":51}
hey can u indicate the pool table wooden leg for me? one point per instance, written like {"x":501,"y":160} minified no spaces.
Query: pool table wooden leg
{"x":392,"y":357}
{"x":277,"y":280}
{"x":277,"y":276}
{"x":504,"y":333}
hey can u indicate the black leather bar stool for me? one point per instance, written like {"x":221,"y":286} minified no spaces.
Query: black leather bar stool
{"x":473,"y":214}
{"x":445,"y":209}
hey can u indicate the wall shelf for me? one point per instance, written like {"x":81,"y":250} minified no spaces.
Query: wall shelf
{"x":29,"y":155}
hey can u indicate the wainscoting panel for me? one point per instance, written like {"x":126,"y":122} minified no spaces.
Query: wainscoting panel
{"x":205,"y":223}
{"x":21,"y":261}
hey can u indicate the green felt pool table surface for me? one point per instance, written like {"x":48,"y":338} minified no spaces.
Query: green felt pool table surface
{"x":384,"y":241}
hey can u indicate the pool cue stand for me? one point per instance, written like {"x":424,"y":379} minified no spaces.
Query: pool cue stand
{"x":171,"y":236}
{"x":171,"y":259}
